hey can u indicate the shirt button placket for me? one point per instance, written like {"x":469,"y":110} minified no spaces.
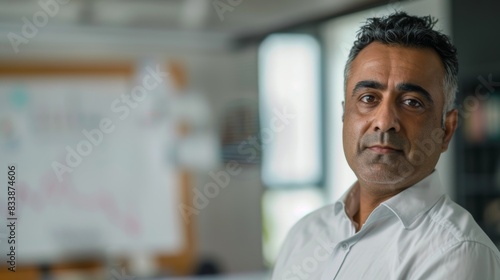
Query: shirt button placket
{"x":343,"y":251}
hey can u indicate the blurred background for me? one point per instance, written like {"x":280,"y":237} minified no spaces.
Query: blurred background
{"x":180,"y":138}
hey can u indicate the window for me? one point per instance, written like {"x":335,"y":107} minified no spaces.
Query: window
{"x":290,"y":110}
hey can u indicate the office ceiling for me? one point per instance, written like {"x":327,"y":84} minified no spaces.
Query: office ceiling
{"x":227,"y":16}
{"x":139,"y":24}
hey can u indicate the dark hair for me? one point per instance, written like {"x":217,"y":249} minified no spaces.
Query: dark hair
{"x":404,"y":30}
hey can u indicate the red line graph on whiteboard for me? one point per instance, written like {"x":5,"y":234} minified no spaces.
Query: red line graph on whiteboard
{"x":53,"y":192}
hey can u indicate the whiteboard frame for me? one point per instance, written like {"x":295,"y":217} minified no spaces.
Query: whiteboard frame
{"x":181,"y":263}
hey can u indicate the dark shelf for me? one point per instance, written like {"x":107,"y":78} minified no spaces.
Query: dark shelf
{"x":478,"y":162}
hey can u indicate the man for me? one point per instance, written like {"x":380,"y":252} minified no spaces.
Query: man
{"x":394,"y":222}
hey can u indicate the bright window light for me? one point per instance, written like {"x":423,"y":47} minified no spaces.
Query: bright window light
{"x":290,"y":110}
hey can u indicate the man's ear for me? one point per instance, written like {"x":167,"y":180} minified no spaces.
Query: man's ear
{"x":450,"y":125}
{"x":343,"y":110}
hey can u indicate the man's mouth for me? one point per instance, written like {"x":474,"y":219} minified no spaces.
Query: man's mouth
{"x":382,"y":149}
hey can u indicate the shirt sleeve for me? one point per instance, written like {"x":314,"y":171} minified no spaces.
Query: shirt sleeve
{"x":466,"y":260}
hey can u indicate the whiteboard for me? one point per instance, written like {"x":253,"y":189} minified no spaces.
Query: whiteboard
{"x":119,"y":198}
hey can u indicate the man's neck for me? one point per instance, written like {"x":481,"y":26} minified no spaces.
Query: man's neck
{"x":368,"y":201}
{"x":371,"y":195}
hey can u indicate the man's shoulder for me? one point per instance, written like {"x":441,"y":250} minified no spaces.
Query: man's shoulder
{"x":316,"y":221}
{"x":452,"y":246}
{"x":456,"y":225}
{"x":307,"y":231}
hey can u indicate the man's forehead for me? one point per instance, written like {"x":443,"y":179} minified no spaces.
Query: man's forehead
{"x":412,"y":64}
{"x":377,"y":50}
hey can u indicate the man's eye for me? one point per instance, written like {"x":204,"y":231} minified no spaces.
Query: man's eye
{"x":368,"y":99}
{"x":412,"y":103}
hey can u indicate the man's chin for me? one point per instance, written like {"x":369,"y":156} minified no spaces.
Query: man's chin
{"x":381,"y":177}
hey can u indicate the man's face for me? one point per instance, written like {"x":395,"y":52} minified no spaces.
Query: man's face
{"x":392,"y":133}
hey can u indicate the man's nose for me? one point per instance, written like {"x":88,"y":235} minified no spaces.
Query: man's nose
{"x":386,"y":117}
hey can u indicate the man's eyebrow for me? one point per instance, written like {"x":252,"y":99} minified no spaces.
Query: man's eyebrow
{"x":367,"y":84}
{"x":409,"y":87}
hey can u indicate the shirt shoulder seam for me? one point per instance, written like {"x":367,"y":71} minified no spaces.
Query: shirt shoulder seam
{"x":459,"y":239}
{"x":463,"y":242}
{"x":446,"y":225}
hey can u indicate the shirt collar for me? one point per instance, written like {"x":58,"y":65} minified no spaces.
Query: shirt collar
{"x":407,"y":205}
{"x":349,"y":201}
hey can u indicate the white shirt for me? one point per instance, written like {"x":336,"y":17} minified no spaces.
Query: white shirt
{"x":417,"y":234}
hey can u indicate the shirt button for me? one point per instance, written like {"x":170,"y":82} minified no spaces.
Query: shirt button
{"x":345,"y":246}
